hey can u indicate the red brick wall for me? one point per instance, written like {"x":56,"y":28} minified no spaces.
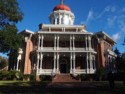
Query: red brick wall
{"x":27,"y":65}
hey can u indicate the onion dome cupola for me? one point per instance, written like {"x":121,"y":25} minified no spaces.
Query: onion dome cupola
{"x":62,"y":15}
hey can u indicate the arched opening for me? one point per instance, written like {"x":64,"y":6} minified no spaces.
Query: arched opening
{"x":63,"y":66}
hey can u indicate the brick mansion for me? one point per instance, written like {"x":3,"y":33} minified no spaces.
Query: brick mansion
{"x":62,"y":48}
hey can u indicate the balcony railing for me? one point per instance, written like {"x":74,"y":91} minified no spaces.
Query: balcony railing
{"x":46,"y":71}
{"x":80,"y":71}
{"x":61,"y":48}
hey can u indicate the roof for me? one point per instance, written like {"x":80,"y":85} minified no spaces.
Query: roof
{"x":61,"y":7}
{"x":107,"y":36}
{"x":27,"y":31}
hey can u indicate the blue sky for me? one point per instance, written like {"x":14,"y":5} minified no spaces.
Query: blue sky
{"x":98,"y":15}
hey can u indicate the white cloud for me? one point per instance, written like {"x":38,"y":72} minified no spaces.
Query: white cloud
{"x":121,"y":22}
{"x":116,"y":36}
{"x":113,"y":9}
{"x":111,"y":21}
{"x":123,"y":28}
{"x":123,"y":10}
{"x":107,"y":9}
{"x":90,"y":16}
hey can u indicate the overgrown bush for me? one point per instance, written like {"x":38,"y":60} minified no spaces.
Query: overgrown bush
{"x":29,"y":77}
{"x":45,"y":78}
{"x":11,"y":75}
{"x":32,"y":77}
{"x":87,"y":77}
{"x":119,"y":76}
{"x":26,"y":77}
{"x":101,"y":74}
{"x":4,"y":75}
{"x":15,"y":75}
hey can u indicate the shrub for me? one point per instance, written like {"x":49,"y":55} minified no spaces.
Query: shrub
{"x":11,"y":75}
{"x":4,"y":75}
{"x":119,"y":76}
{"x":29,"y":77}
{"x":45,"y":78}
{"x":32,"y":77}
{"x":100,"y":74}
{"x":26,"y":77}
{"x":15,"y":75}
{"x":87,"y":77}
{"x":19,"y":75}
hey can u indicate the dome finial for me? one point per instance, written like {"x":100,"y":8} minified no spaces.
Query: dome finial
{"x":61,"y":2}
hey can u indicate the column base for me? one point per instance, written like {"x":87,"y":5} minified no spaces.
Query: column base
{"x":37,"y":78}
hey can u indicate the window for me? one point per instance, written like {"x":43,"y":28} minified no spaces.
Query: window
{"x":57,"y":20}
{"x":62,"y":21}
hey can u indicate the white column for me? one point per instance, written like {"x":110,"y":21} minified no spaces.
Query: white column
{"x":55,"y":20}
{"x":57,"y":42}
{"x":90,"y":62}
{"x":87,"y":63}
{"x":86,"y":41}
{"x":54,"y":62}
{"x":17,"y":66}
{"x":39,"y":42}
{"x":57,"y":62}
{"x":64,"y":29}
{"x":73,"y":42}
{"x":38,"y":62}
{"x":89,"y":38}
{"x":41,"y":59}
{"x":70,"y":42}
{"x":74,"y":58}
{"x":94,"y":63}
{"x":70,"y":62}
{"x":55,"y":37}
{"x":42,"y":42}
{"x":59,"y":19}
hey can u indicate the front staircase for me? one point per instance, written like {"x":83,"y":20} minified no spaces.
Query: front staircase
{"x":65,"y":78}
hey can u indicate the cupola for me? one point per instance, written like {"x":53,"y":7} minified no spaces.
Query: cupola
{"x":62,"y":15}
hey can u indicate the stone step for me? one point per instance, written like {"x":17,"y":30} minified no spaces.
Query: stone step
{"x":65,"y":78}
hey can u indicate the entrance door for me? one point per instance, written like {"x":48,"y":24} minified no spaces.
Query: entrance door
{"x":63,"y":68}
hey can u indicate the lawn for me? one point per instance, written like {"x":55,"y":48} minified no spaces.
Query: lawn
{"x":21,"y":87}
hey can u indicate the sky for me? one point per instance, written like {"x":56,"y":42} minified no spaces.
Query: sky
{"x":97,"y":15}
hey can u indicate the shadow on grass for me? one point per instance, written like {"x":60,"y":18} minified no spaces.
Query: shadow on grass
{"x":60,"y":88}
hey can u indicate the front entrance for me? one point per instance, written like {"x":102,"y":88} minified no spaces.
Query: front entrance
{"x":63,"y":66}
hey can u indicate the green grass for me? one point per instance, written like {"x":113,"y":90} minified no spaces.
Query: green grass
{"x":23,"y":87}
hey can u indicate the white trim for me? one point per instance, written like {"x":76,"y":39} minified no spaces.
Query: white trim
{"x":77,"y":33}
{"x":106,"y":36}
{"x":89,"y":51}
{"x":62,"y":25}
{"x":28,"y":31}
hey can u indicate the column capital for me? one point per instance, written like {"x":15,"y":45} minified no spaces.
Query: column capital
{"x":39,"y":36}
{"x":42,"y":36}
{"x":70,"y":55}
{"x":73,"y":37}
{"x":89,"y":37}
{"x":74,"y":56}
{"x":55,"y":37}
{"x":38,"y":56}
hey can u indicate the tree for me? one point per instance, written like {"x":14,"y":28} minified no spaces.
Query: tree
{"x":118,"y":60}
{"x":10,"y":14}
{"x":3,"y":62}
